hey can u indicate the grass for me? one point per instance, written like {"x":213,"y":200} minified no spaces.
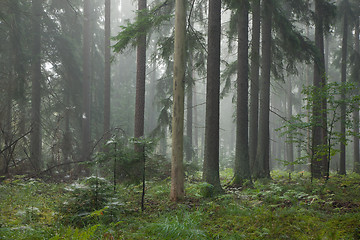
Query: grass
{"x":281,"y":208}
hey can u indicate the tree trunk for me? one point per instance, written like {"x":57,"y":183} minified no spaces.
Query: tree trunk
{"x":343,"y":93}
{"x":189,"y":116}
{"x":196,"y":131}
{"x":36,"y":85}
{"x":319,"y":161}
{"x":254,"y":82}
{"x":262,"y":168}
{"x":107,"y":77}
{"x":140,"y":84}
{"x":177,"y":169}
{"x":211,"y":154}
{"x":242,"y":165}
{"x":86,"y":137}
{"x":290,"y":144}
{"x":356,"y":111}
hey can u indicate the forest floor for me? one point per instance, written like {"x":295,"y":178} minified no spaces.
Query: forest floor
{"x":281,"y":208}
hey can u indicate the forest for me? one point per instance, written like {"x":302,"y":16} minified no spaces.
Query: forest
{"x":179,"y":119}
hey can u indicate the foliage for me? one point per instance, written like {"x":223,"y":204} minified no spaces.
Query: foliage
{"x":300,"y":124}
{"x":84,"y":200}
{"x":283,"y":208}
{"x":146,"y":21}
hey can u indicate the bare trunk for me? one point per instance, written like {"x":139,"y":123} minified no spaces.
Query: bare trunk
{"x":319,"y":160}
{"x":36,"y":86}
{"x":140,"y":84}
{"x":343,"y":94}
{"x":211,"y":154}
{"x":177,"y":169}
{"x":242,"y":164}
{"x":356,"y":111}
{"x":254,"y":84}
{"x":107,"y":77}
{"x":262,"y":168}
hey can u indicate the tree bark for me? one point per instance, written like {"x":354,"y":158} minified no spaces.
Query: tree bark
{"x":254,"y":82}
{"x":86,"y":137}
{"x":211,"y":154}
{"x":319,"y":161}
{"x":290,"y":144}
{"x":242,"y":165}
{"x":107,"y":76}
{"x":356,"y":111}
{"x":36,"y":85}
{"x":189,"y":116}
{"x":343,"y":93}
{"x":140,"y":84}
{"x":177,"y":191}
{"x":262,"y":168}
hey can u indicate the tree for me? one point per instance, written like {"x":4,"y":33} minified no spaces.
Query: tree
{"x":107,"y":76}
{"x":211,"y":153}
{"x":36,"y":85}
{"x":356,"y":107}
{"x":343,"y":80}
{"x":177,"y":169}
{"x":242,"y":165}
{"x":319,"y":160}
{"x":254,"y":81}
{"x":86,"y":138}
{"x":262,"y":168}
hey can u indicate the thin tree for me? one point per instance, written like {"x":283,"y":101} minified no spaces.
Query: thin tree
{"x":86,"y":84}
{"x":211,"y":154}
{"x":107,"y":76}
{"x":356,"y":111}
{"x":262,"y":168}
{"x":177,"y":169}
{"x":343,"y":81}
{"x":36,"y":85}
{"x":242,"y":165}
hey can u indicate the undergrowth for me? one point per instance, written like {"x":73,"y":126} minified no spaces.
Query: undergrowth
{"x":286,"y":207}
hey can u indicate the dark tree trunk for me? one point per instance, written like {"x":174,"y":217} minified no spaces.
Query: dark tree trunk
{"x":343,"y":93}
{"x":189,"y":123}
{"x":211,"y":154}
{"x":242,"y":164}
{"x":107,"y":77}
{"x":36,"y":85}
{"x":140,"y":84}
{"x":86,"y":137}
{"x":290,"y":144}
{"x":262,"y":168}
{"x":196,"y":131}
{"x":356,"y":111}
{"x":254,"y":82}
{"x":319,"y":161}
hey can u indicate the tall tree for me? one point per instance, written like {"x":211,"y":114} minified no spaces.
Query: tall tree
{"x":140,"y":81}
{"x":189,"y":115}
{"x":343,"y":81}
{"x":290,"y":145}
{"x":262,"y":167}
{"x":177,"y":169}
{"x":356,"y":111}
{"x":319,"y":161}
{"x":254,"y":81}
{"x":211,"y":155}
{"x":242,"y":165}
{"x":86,"y":138}
{"x":36,"y":85}
{"x":107,"y":76}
